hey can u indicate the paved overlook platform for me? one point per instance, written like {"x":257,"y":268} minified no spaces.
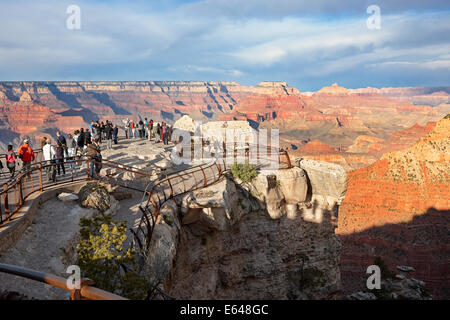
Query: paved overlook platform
{"x":46,"y":244}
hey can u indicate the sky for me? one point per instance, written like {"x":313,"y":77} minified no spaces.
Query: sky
{"x":308,"y":44}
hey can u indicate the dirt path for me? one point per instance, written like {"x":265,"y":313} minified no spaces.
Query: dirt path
{"x":42,"y":248}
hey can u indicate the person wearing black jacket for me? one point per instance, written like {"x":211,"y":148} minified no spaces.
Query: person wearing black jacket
{"x":87,"y":137}
{"x":115,"y":133}
{"x":108,"y":135}
{"x":60,"y":158}
{"x":102,"y":132}
{"x":81,"y":141}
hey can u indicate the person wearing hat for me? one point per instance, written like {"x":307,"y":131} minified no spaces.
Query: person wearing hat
{"x":26,"y":154}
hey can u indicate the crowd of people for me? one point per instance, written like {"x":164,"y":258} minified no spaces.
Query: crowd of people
{"x":84,"y":142}
{"x":160,"y":132}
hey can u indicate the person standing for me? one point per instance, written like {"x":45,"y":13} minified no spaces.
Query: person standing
{"x":115,"y":133}
{"x":63,"y":141}
{"x":157,"y":133}
{"x":166,"y":134}
{"x":43,"y":142}
{"x":11,"y":161}
{"x":169,"y":133}
{"x":61,"y":138}
{"x":80,"y":140}
{"x":76,"y":134}
{"x":26,"y":154}
{"x":127,"y":128}
{"x":140,"y":128}
{"x":150,"y":129}
{"x":102,"y":131}
{"x":146,"y":128}
{"x":108,"y":134}
{"x":133,"y":129}
{"x":71,"y":150}
{"x":87,"y":136}
{"x":49,"y":154}
{"x":92,"y":127}
{"x":60,"y":158}
{"x":94,"y":155}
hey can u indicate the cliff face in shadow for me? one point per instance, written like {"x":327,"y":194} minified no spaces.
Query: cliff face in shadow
{"x":423,"y":243}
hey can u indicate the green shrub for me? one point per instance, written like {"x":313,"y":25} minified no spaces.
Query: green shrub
{"x":102,"y":258}
{"x":244,"y":171}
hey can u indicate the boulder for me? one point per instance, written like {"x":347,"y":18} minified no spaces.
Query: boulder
{"x":327,"y":180}
{"x":96,"y":196}
{"x":66,"y":197}
{"x":185,"y":123}
{"x":405,"y":268}
{"x":281,"y":190}
{"x":361,"y":295}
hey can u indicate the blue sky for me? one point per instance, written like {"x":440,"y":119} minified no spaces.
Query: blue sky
{"x":308,"y":44}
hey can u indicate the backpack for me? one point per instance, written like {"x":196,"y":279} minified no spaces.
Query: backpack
{"x":10,"y":160}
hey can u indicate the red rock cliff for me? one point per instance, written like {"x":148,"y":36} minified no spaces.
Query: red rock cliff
{"x":398,"y":208}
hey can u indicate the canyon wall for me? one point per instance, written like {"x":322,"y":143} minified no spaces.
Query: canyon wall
{"x":272,"y":239}
{"x":334,"y":115}
{"x":398,"y":208}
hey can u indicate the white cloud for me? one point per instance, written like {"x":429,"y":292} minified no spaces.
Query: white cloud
{"x":215,"y":38}
{"x":431,"y":65}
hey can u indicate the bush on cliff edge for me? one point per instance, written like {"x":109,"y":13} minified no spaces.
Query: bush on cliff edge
{"x":102,"y":258}
{"x":244,"y":171}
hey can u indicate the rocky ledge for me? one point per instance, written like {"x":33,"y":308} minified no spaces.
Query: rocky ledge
{"x":272,"y":238}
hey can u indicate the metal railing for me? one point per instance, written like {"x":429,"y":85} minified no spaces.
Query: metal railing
{"x":13,"y":193}
{"x":84,"y":292}
{"x":16,"y":191}
{"x":183,"y":181}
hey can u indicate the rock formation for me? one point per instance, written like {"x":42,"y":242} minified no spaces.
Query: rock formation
{"x":271,"y":239}
{"x":96,"y":196}
{"x":398,"y":208}
{"x":398,"y":287}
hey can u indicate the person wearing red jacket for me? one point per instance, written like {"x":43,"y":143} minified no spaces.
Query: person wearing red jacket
{"x":26,"y":154}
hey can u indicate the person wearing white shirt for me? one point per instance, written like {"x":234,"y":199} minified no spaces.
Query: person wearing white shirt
{"x":49,"y":154}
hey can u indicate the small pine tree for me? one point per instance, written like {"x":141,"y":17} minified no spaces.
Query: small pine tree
{"x":102,"y":258}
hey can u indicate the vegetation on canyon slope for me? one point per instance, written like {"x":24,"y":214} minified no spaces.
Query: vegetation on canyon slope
{"x":102,"y":257}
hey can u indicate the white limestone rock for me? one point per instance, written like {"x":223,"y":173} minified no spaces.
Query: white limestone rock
{"x":67,"y":197}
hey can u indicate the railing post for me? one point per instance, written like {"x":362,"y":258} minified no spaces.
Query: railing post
{"x":76,"y":293}
{"x":5,"y":200}
{"x":87,"y":169}
{"x":288,"y":159}
{"x":205,"y":182}
{"x":19,"y":178}
{"x":40,"y":177}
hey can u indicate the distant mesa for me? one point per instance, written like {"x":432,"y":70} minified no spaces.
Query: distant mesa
{"x":316,"y":147}
{"x":25,"y":97}
{"x":334,"y":89}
